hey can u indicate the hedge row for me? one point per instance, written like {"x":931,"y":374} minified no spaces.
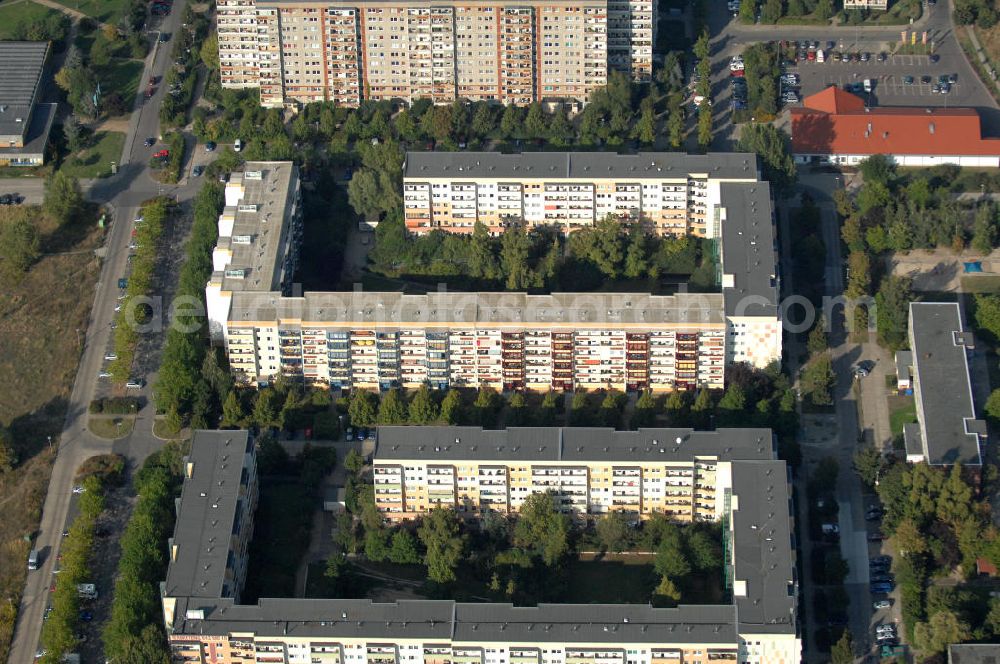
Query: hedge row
{"x":114,"y":406}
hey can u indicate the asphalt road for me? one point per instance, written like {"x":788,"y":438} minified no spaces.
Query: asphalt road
{"x":123,"y":193}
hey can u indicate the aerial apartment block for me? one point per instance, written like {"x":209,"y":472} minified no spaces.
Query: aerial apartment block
{"x":678,"y":472}
{"x":947,"y":430}
{"x":668,"y":192}
{"x":301,"y":51}
{"x":207,"y":624}
{"x":562,"y":341}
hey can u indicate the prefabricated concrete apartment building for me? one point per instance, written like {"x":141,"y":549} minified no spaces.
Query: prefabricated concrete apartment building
{"x":563,"y":341}
{"x":206,"y":622}
{"x":301,"y":51}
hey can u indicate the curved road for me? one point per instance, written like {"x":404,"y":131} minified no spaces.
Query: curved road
{"x":123,"y":193}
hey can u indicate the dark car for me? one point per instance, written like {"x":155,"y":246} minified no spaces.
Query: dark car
{"x":881,"y":578}
{"x":935,"y":57}
{"x":882,"y":57}
{"x":926,"y":80}
{"x":210,"y":146}
{"x":953,"y":78}
{"x":881,"y":587}
{"x":149,"y":142}
{"x":197,"y":170}
{"x":164,"y":37}
{"x":86,"y":616}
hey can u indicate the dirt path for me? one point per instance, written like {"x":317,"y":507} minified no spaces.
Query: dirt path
{"x":74,"y":14}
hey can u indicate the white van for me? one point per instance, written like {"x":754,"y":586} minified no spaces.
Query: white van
{"x":238,"y":145}
{"x":868,"y":85}
{"x":33,"y":559}
{"x":820,"y":56}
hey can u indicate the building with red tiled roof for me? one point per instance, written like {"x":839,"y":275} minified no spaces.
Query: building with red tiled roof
{"x":835,"y":126}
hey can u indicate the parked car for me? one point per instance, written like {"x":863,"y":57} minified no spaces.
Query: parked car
{"x":908,"y":80}
{"x":162,"y":154}
{"x":149,"y":142}
{"x":882,"y":587}
{"x":197,"y":170}
{"x":210,"y":146}
{"x":882,"y":604}
{"x":881,"y":559}
{"x":135,"y":384}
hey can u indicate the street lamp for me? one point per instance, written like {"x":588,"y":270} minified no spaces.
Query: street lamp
{"x":50,"y":441}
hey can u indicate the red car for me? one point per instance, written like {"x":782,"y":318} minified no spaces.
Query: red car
{"x":163,"y":154}
{"x":737,"y":72}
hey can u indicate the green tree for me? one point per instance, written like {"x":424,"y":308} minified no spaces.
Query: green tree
{"x":612,"y":532}
{"x":701,"y":46}
{"x":365,"y":194}
{"x":560,"y":130}
{"x":209,"y":52}
{"x":987,"y":313}
{"x":636,"y":263}
{"x":670,"y":560}
{"x":817,"y":380}
{"x":510,"y":122}
{"x":19,"y":243}
{"x":392,"y":408}
{"x":818,"y":342}
{"x":542,"y":528}
{"x":985,"y":232}
{"x":732,"y":406}
{"x":773,"y":147}
{"x":517,"y":411}
{"x":451,"y":407}
{"x":644,"y":414}
{"x":892,"y":311}
{"x":63,"y":198}
{"x":487,"y":405}
{"x":535,"y":125}
{"x":908,"y":538}
{"x":675,"y":126}
{"x":267,"y":408}
{"x":676,"y":407}
{"x":8,"y":457}
{"x":439,"y":533}
{"x":705,"y":124}
{"x":376,"y":544}
{"x":823,"y":10}
{"x":423,"y":408}
{"x":645,"y":128}
{"x":701,"y":410}
{"x":746,"y":12}
{"x":943,"y":628}
{"x":706,"y":555}
{"x":842,"y":651}
{"x":878,"y":168}
{"x":992,"y":407}
{"x":482,"y":261}
{"x":514,"y":249}
{"x":404,"y":548}
{"x":483,"y":121}
{"x":354,"y":462}
{"x":771,"y":11}
{"x":363,"y":408}
{"x":868,"y":464}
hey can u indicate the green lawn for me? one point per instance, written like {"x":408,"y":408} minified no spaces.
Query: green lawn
{"x":986,"y":283}
{"x":281,"y":536}
{"x":95,"y":161}
{"x":121,"y":76}
{"x":12,"y":15}
{"x":108,"y":427}
{"x":106,"y":11}
{"x":609,"y":582}
{"x":902,"y":410}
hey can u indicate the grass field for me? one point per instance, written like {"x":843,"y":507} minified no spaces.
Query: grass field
{"x":122,"y":76}
{"x":902,"y":410}
{"x":39,"y":317}
{"x":987,"y":283}
{"x":280,"y":539}
{"x":107,"y":427}
{"x":13,"y":14}
{"x":106,"y":11}
{"x":95,"y":161}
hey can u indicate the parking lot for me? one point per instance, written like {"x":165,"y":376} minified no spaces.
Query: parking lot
{"x":897,"y":81}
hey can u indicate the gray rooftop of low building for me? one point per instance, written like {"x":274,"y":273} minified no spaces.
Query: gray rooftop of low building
{"x":747,"y":249}
{"x":904,"y":363}
{"x":944,"y":388}
{"x":37,"y":137}
{"x":580,"y":165}
{"x":391,"y":309}
{"x":207,"y":513}
{"x":461,"y":622}
{"x":569,"y":445}
{"x":21,"y":67}
{"x":974,"y":653}
{"x":763,"y":547}
{"x":261,"y":228}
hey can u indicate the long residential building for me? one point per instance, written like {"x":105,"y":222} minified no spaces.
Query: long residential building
{"x":668,"y":192}
{"x":301,"y":51}
{"x":562,"y":341}
{"x":678,"y":472}
{"x":207,"y":624}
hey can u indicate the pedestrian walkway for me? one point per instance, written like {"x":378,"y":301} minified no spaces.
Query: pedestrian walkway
{"x":72,"y":13}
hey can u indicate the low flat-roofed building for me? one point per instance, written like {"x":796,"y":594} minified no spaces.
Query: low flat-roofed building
{"x":757,"y":626}
{"x":24,"y":122}
{"x":904,"y":370}
{"x":974,"y":653}
{"x":946,"y":431}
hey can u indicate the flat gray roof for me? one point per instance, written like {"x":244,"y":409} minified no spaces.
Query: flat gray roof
{"x":747,"y":249}
{"x":569,"y":444}
{"x":262,"y":223}
{"x":37,"y":136}
{"x":207,"y":513}
{"x":21,"y":67}
{"x":762,"y":548}
{"x":462,"y":622}
{"x":392,"y":309}
{"x":580,"y":165}
{"x":974,"y":653}
{"x":943,"y":389}
{"x":904,"y":360}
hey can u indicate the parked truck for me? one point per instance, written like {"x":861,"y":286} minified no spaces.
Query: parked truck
{"x":86,"y":591}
